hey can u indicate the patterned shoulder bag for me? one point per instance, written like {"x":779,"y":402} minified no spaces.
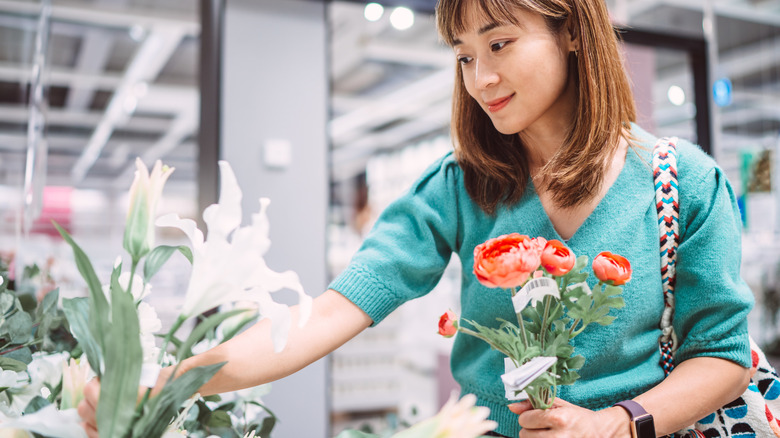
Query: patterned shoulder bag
{"x":754,"y":414}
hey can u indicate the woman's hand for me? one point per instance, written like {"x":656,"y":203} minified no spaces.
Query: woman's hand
{"x":564,"y":419}
{"x":87,"y":408}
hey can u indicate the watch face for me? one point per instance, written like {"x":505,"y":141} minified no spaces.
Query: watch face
{"x":645,"y":427}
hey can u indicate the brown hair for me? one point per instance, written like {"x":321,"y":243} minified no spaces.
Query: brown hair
{"x":495,"y":165}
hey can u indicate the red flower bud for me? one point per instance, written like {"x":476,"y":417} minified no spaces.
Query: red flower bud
{"x":612,"y":267}
{"x":448,"y":324}
{"x":557,"y":259}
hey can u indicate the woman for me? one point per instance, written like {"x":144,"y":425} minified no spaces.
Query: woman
{"x":545,"y":146}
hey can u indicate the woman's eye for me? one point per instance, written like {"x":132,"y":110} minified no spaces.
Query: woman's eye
{"x":464,"y":59}
{"x":498,"y":46}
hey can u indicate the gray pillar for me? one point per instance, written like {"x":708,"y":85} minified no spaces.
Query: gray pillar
{"x":274,"y":118}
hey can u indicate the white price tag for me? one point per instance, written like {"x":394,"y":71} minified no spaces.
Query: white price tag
{"x":535,"y":290}
{"x":516,"y":379}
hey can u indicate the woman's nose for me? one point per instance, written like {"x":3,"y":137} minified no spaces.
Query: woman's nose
{"x":485,"y":75}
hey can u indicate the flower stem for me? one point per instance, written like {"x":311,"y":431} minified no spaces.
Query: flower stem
{"x":132,"y":275}
{"x":176,"y":325}
{"x":543,"y":331}
{"x":520,"y":320}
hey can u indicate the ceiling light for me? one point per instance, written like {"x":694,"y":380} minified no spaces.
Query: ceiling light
{"x":676,"y":95}
{"x":137,"y":32}
{"x":402,"y":18}
{"x":373,"y":11}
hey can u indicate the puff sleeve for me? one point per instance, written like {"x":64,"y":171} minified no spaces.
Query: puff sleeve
{"x":406,"y":252}
{"x":712,"y":300}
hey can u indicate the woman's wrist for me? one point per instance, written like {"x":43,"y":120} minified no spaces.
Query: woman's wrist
{"x":616,"y":421}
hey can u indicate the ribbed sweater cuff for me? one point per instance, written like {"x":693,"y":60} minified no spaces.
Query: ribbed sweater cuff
{"x":366,"y":291}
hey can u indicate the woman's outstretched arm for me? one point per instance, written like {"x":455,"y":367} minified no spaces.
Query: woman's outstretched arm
{"x":250,"y":356}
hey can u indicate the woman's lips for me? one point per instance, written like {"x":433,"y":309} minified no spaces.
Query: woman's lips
{"x":497,"y":104}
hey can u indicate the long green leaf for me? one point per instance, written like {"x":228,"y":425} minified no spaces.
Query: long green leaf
{"x":77,"y":312}
{"x":161,"y":409}
{"x":123,"y":357}
{"x":158,"y":256}
{"x":201,"y":329}
{"x":98,"y":305}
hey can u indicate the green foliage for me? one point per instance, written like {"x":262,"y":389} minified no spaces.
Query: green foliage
{"x":158,"y":256}
{"x":548,"y":327}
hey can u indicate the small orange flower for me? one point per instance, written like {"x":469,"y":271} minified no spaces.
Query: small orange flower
{"x":448,"y":324}
{"x":557,"y":259}
{"x":612,"y":267}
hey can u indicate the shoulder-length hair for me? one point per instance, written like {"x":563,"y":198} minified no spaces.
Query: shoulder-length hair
{"x":495,"y":165}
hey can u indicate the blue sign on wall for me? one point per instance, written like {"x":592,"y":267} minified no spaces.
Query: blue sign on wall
{"x":721,"y":92}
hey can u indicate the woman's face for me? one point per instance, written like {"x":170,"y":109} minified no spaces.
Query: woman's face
{"x":518,"y":74}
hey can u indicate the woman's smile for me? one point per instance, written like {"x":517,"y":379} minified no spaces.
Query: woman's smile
{"x":497,"y":104}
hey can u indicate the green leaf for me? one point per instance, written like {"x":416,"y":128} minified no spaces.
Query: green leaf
{"x":98,"y":305}
{"x":158,"y":256}
{"x":268,"y":426}
{"x":201,"y":329}
{"x":77,"y":311}
{"x":160,"y":409}
{"x":575,"y":362}
{"x":36,"y":404}
{"x":123,"y":357}
{"x":23,"y":355}
{"x":20,"y":327}
{"x":9,"y":364}
{"x":219,"y":419}
{"x":7,"y":300}
{"x":49,"y":304}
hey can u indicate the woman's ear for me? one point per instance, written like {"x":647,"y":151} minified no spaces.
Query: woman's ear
{"x":572,"y":34}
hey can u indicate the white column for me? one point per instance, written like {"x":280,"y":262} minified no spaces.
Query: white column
{"x":274,"y":116}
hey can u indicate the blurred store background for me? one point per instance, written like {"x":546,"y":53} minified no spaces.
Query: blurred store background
{"x":88,"y":86}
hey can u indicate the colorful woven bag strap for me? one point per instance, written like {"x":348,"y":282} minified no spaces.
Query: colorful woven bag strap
{"x":668,"y":206}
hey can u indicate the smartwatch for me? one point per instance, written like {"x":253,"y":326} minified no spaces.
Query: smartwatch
{"x":642,"y":425}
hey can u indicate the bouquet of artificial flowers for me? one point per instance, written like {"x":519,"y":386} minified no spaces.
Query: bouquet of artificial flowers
{"x":553,"y":303}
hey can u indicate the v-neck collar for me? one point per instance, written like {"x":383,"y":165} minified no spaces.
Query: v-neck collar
{"x":619,"y":193}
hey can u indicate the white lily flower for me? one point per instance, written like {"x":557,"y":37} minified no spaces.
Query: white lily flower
{"x":228,"y":265}
{"x":48,"y":422}
{"x":456,"y":419}
{"x":149,"y":324}
{"x":75,"y":375}
{"x":145,"y":192}
{"x":45,"y":371}
{"x":12,"y":379}
{"x":139,"y":289}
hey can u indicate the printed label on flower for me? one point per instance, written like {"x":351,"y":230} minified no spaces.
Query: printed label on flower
{"x":517,"y":379}
{"x":535,"y":290}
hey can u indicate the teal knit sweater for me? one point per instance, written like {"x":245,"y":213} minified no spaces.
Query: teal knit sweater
{"x":406,"y":252}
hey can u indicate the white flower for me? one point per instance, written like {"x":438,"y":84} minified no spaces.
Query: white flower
{"x":45,"y":371}
{"x":456,"y":419}
{"x":228,"y":265}
{"x":49,"y":422}
{"x":145,"y":192}
{"x":139,"y":289}
{"x":12,"y":379}
{"x":75,"y":375}
{"x":149,"y":325}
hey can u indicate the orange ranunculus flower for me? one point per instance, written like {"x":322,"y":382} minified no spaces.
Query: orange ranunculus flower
{"x":557,"y":259}
{"x":507,"y":261}
{"x":448,"y":324}
{"x":612,"y":267}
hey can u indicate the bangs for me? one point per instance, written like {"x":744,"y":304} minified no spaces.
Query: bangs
{"x":454,"y":17}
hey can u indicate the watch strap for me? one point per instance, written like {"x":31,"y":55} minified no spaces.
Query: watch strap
{"x":634,"y":409}
{"x":641,"y":421}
